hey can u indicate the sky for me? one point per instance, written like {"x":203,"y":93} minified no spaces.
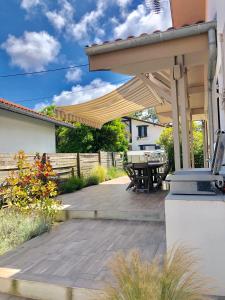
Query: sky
{"x":39,"y":35}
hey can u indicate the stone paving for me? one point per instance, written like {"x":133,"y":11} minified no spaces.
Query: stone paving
{"x":75,"y":254}
{"x":111,"y":199}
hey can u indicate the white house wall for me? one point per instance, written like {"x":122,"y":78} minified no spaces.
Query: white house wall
{"x":216,"y":9}
{"x":19,"y":132}
{"x":153,"y":133}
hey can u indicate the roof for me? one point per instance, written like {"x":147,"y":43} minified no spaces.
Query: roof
{"x":150,"y":38}
{"x":144,"y":121}
{"x":132,"y":96}
{"x":13,"y":107}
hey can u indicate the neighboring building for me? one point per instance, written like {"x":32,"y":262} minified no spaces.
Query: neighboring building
{"x":24,"y":129}
{"x":143,"y":135}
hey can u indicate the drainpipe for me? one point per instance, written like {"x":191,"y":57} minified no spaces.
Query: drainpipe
{"x":212,"y":50}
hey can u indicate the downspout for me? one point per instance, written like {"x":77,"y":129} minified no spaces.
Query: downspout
{"x":212,"y":50}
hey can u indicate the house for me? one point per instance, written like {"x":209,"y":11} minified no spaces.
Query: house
{"x":143,"y":135}
{"x":22,"y":128}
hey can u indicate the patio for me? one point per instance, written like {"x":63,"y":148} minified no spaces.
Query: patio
{"x":71,"y":261}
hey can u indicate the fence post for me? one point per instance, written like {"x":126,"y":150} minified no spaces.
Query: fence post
{"x":78,"y":165}
{"x":99,"y":158}
{"x":113,"y":159}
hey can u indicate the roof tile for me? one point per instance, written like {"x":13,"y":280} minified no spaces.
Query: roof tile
{"x":143,"y":34}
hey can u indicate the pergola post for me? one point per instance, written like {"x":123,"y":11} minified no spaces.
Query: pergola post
{"x":191,"y":142}
{"x":184,"y":107}
{"x":175,"y":115}
{"x":205,"y":144}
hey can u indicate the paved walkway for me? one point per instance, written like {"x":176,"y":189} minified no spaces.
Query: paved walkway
{"x":111,"y":200}
{"x":70,"y":262}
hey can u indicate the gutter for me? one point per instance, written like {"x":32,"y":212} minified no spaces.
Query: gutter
{"x":34,"y":115}
{"x":153,"y":38}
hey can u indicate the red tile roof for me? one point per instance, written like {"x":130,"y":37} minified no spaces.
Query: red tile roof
{"x":8,"y":105}
{"x":143,"y":34}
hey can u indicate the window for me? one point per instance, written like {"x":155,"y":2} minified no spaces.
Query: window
{"x":142,"y":131}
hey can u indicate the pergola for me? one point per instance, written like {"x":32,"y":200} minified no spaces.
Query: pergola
{"x":173,"y":72}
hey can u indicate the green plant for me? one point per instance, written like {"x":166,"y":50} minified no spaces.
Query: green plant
{"x":114,"y":172}
{"x":31,"y":188}
{"x":174,"y":279}
{"x":91,"y":180}
{"x":166,"y":141}
{"x":100,"y":172}
{"x":72,"y":184}
{"x":17,"y":227}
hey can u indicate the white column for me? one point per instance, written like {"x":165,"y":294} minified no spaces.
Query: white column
{"x":175,"y":115}
{"x":183,"y":107}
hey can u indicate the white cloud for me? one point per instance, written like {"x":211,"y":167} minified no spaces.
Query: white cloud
{"x":141,"y":21}
{"x":123,"y":3}
{"x":32,"y":51}
{"x":28,"y":4}
{"x":41,"y":105}
{"x":56,"y":19}
{"x":80,"y":94}
{"x":74,"y":75}
{"x":60,"y":18}
{"x":89,"y":23}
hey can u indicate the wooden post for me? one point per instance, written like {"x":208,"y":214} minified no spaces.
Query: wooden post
{"x":78,"y":165}
{"x":113,"y":159}
{"x":99,"y":158}
{"x":205,"y":144}
{"x":183,"y":105}
{"x":192,"y":142}
{"x":175,"y":115}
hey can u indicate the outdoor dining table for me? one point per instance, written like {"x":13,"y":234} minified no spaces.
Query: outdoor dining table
{"x":145,"y":175}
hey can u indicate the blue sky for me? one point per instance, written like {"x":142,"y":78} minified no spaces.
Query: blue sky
{"x":44,"y":34}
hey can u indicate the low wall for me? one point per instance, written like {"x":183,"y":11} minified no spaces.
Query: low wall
{"x":66,"y":164}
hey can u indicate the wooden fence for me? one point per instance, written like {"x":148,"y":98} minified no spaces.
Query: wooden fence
{"x":66,"y":164}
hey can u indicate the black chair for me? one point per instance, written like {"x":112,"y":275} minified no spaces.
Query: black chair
{"x":142,"y":178}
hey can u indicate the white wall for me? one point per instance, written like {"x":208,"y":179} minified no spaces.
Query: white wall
{"x":19,"y":132}
{"x":153,"y":133}
{"x":216,"y":9}
{"x":198,"y":222}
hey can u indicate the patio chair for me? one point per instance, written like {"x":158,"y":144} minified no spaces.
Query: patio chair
{"x":130,"y":173}
{"x":142,"y":178}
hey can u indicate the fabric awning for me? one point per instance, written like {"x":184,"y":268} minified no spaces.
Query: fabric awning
{"x":133,"y":96}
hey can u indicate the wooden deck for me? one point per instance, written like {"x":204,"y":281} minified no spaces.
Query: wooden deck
{"x":70,"y":262}
{"x":110,"y":200}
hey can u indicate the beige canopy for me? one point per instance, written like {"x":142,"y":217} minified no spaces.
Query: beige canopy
{"x":135,"y":95}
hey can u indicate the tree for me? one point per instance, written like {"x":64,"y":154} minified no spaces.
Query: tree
{"x":166,"y":141}
{"x":111,"y":137}
{"x":148,"y":114}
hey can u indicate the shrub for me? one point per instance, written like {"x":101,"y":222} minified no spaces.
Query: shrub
{"x":91,"y":180}
{"x":71,"y":185}
{"x":175,"y":279}
{"x":31,"y":188}
{"x":17,"y":227}
{"x":100,"y":172}
{"x":114,"y":172}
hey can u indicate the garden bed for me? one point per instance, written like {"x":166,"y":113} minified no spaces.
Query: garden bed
{"x":17,"y":228}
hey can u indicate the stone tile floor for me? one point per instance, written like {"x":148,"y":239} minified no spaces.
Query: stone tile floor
{"x":77,"y":252}
{"x":112,"y":196}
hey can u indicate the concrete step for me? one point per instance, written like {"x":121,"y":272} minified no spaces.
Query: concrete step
{"x":129,"y":215}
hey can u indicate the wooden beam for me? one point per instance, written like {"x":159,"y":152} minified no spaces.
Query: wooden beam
{"x":161,"y":89}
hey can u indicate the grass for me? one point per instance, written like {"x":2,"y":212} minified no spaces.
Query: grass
{"x":114,"y":172}
{"x":174,"y":279}
{"x":17,"y":228}
{"x":71,"y":185}
{"x":97,"y":175}
{"x":100,"y":172}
